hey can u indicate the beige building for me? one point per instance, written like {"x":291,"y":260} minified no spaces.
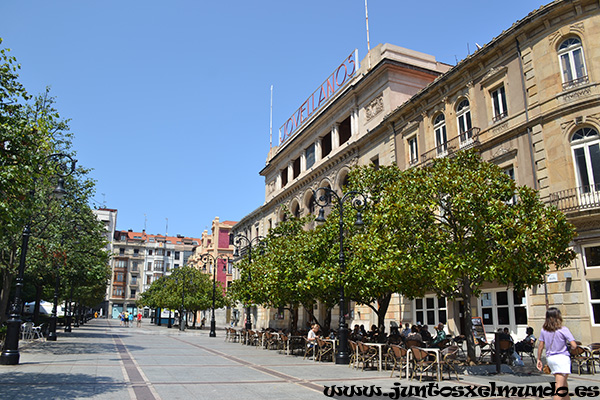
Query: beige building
{"x":528,"y":100}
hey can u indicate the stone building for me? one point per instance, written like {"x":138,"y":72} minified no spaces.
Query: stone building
{"x":528,"y":101}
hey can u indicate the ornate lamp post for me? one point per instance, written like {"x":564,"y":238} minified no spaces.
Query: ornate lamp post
{"x":358,"y":201}
{"x":235,"y":240}
{"x":10,"y":355}
{"x":205,"y":259}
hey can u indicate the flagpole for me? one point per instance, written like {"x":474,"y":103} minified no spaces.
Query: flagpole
{"x":368,"y":42}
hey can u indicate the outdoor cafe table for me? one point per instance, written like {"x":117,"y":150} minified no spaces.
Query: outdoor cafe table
{"x":292,"y":340}
{"x":333,"y":341}
{"x":380,"y":350}
{"x":436,"y":351}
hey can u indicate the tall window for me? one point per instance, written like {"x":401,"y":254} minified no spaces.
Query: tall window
{"x":430,"y":311}
{"x":463,"y":115}
{"x":586,"y":154}
{"x":499,"y":103}
{"x":572,"y":64}
{"x":441,"y":141}
{"x":595,"y":300}
{"x":413,"y":150}
{"x":310,"y":155}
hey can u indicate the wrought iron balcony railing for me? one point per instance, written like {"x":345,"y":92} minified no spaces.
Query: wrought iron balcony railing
{"x":464,"y":141}
{"x":578,"y":198}
{"x":575,"y":82}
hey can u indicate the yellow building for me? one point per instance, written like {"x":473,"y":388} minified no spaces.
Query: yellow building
{"x":528,"y":101}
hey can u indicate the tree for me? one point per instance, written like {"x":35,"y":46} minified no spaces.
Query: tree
{"x":460,"y":222}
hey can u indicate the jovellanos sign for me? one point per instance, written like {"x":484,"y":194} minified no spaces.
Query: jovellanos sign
{"x":338,"y":79}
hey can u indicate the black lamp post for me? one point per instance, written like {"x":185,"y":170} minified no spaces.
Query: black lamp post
{"x":235,"y":240}
{"x":52,"y":328}
{"x":358,"y":201}
{"x":10,"y":355}
{"x":205,"y":259}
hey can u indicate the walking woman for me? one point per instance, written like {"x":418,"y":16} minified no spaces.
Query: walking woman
{"x":556,"y":338}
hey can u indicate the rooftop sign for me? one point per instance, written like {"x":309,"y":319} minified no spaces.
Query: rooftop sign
{"x":338,"y":79}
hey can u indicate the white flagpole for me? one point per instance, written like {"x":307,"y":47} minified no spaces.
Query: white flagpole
{"x":368,"y":43}
{"x":271,"y":121}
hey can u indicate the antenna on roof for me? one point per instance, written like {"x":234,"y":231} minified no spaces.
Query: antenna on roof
{"x":368,"y":42}
{"x":167,"y":227}
{"x":145,"y":222}
{"x":271,"y":121}
{"x":468,"y":49}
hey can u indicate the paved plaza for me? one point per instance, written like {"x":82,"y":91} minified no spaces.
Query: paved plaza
{"x":102,"y":360}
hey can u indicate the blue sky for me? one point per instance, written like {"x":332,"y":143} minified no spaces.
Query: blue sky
{"x":169,"y":100}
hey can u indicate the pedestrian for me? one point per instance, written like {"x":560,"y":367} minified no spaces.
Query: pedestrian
{"x":202,"y":322}
{"x":130,"y":319}
{"x":121,"y":320}
{"x":139,"y":319}
{"x":555,"y":337}
{"x":126,"y":318}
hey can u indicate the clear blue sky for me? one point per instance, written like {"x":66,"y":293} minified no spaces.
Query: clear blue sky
{"x":169,"y":100}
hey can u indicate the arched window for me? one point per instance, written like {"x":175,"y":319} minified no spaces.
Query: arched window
{"x":572,"y":63}
{"x":441,"y":141}
{"x":463,"y":116}
{"x":586,"y":155}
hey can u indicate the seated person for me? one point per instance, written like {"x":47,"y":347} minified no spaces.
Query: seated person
{"x":406,"y":331}
{"x":363,"y":332}
{"x":373,"y":334}
{"x":312,"y":335}
{"x":526,"y":345}
{"x":355,"y":334}
{"x":425,"y":334}
{"x":440,"y":335}
{"x":415,"y":335}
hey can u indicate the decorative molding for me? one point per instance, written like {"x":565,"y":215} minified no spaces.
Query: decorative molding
{"x":500,"y":128}
{"x":577,"y":27}
{"x":494,"y":74}
{"x":374,"y":107}
{"x":575,"y":95}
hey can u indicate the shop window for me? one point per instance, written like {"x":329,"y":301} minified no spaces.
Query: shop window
{"x":595,"y":300}
{"x":430,"y":311}
{"x":503,"y":308}
{"x":591,"y":256}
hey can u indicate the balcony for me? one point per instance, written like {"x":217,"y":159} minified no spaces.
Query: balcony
{"x":575,"y":82}
{"x":466,"y":140}
{"x":577,"y":199}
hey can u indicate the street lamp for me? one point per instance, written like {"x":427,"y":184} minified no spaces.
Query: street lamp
{"x":10,"y":355}
{"x":358,"y":202}
{"x":205,"y":259}
{"x":235,"y":240}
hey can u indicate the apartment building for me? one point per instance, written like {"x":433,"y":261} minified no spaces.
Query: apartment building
{"x":528,"y":101}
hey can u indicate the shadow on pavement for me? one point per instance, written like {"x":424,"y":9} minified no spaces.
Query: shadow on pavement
{"x":23,"y":385}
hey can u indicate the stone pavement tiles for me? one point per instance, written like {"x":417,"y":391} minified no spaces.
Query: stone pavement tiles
{"x":102,"y":360}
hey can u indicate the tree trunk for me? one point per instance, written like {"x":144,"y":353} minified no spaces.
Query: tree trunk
{"x":383,"y":305}
{"x":467,"y":295}
{"x":195,"y":318}
{"x":327,"y":321}
{"x":7,"y":279}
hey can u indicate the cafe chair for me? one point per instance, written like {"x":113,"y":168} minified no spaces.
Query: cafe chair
{"x":450,"y":360}
{"x":397,"y":356}
{"x":324,"y":349}
{"x":423,"y":362}
{"x":310,"y":348}
{"x":353,"y":354}
{"x":595,"y":350}
{"x":413,"y":343}
{"x":582,"y":356}
{"x":367,"y":355}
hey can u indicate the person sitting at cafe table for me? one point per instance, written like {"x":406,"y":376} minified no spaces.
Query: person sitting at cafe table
{"x":312,"y":335}
{"x":373,"y":333}
{"x":406,"y":331}
{"x":440,"y":335}
{"x":355,"y":334}
{"x":425,"y":334}
{"x":415,"y":335}
{"x":363,"y":332}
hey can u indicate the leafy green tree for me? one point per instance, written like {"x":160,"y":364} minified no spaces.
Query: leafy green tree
{"x":452,"y":226}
